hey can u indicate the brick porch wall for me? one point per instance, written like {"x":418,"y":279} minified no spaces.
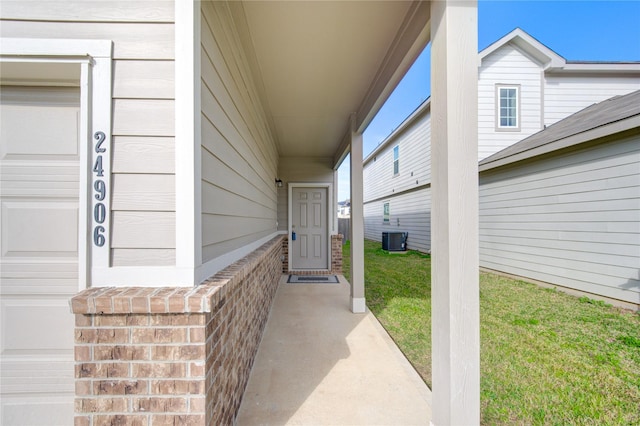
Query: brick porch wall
{"x":172,"y":356}
{"x":336,"y":257}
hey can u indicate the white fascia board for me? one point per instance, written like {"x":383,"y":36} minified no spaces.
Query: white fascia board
{"x":599,"y":67}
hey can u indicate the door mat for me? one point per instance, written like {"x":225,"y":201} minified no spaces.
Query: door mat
{"x":313,"y":279}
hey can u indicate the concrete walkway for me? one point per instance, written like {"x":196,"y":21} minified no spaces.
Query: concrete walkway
{"x":319,"y":364}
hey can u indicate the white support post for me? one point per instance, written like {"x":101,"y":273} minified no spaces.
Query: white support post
{"x":454,"y":214}
{"x":358,"y":304}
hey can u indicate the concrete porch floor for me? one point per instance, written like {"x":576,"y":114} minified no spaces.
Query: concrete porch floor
{"x":320,"y":364}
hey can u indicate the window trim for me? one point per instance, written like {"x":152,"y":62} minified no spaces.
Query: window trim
{"x":500,"y":128}
{"x":396,"y":160}
{"x":386,"y":213}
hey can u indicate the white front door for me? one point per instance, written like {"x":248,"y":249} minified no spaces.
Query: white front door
{"x":39,"y":188}
{"x":309,"y":224}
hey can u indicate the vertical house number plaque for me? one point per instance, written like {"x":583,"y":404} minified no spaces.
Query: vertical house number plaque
{"x":100,"y":188}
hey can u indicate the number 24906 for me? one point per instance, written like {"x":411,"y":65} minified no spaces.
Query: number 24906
{"x":100,"y":188}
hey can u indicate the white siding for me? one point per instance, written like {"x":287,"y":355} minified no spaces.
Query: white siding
{"x":143,"y":108}
{"x":239,"y":158}
{"x":409,"y":212}
{"x":572,"y":220}
{"x":567,"y":94}
{"x":407,"y":193}
{"x":509,"y":66}
{"x":415,"y":162}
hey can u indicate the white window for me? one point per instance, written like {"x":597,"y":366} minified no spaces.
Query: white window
{"x":508,"y":107}
{"x":396,"y":160}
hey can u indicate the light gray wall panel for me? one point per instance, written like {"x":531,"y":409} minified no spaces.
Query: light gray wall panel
{"x":151,"y":41}
{"x":572,"y":219}
{"x":146,"y":155}
{"x":143,"y":117}
{"x":89,"y":11}
{"x":142,"y":230}
{"x":301,"y":170}
{"x":239,"y":157}
{"x":144,"y":79}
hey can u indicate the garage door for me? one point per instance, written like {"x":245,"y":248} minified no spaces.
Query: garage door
{"x":39,"y":169}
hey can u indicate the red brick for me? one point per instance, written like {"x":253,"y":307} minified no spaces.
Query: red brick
{"x":197,"y":335}
{"x":176,"y":304}
{"x":159,"y":369}
{"x":189,"y":352}
{"x":120,"y":420}
{"x":86,"y":336}
{"x":101,"y":405}
{"x":177,"y":420}
{"x":83,"y":320}
{"x":139,"y":305}
{"x":83,"y":387}
{"x":82,"y":353}
{"x":120,"y":352}
{"x":196,"y":369}
{"x":120,"y":387}
{"x":160,"y":405}
{"x":81,"y":421}
{"x":159,"y":335}
{"x":177,"y":387}
{"x":138,"y":319}
{"x":112,"y":335}
{"x":104,"y":305}
{"x":110,"y":320}
{"x":197,"y":405}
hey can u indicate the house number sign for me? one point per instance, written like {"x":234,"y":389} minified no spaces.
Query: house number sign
{"x":100,"y":188}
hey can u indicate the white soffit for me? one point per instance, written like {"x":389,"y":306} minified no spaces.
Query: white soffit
{"x":316,"y":62}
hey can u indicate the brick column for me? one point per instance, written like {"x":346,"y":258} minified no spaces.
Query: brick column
{"x":336,"y":254}
{"x":172,"y":356}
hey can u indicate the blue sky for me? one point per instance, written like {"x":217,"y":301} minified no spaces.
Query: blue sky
{"x":576,"y":30}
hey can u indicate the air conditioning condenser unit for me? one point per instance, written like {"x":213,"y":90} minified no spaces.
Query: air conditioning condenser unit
{"x":394,"y":241}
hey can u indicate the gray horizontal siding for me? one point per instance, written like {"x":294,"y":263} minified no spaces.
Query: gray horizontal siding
{"x":239,"y":158}
{"x":572,"y":220}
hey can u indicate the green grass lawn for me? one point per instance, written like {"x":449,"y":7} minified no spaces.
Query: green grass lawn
{"x":545,"y":357}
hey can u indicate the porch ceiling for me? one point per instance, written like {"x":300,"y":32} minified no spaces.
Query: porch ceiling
{"x":317,"y":62}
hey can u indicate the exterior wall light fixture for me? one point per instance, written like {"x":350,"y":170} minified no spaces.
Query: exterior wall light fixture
{"x":279,"y":183}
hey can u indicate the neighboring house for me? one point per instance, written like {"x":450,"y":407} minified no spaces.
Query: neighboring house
{"x":563,"y":205}
{"x":142,"y":147}
{"x":523,"y":87}
{"x":344,"y":209}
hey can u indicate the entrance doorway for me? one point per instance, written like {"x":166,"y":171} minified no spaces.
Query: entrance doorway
{"x":309,"y":228}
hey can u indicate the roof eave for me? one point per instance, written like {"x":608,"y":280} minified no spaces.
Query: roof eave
{"x":609,"y":129}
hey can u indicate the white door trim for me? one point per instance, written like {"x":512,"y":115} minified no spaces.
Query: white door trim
{"x":93,"y":57}
{"x":329,"y":187}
